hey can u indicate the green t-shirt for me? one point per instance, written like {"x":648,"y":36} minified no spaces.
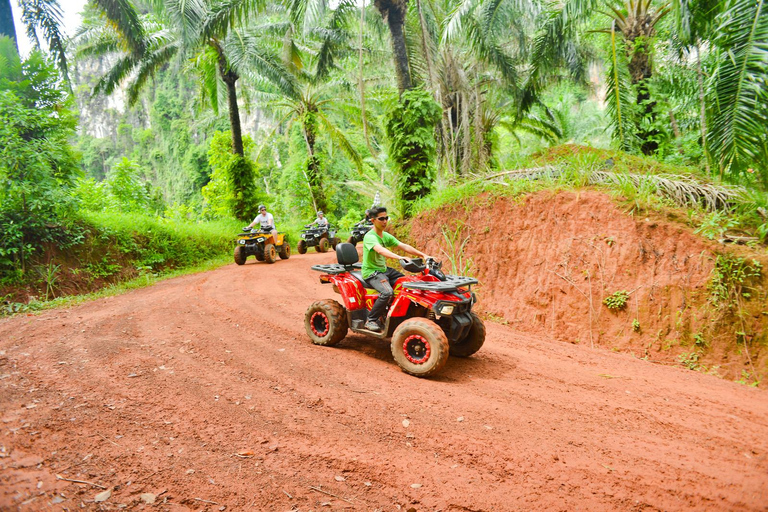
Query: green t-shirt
{"x":373,"y":261}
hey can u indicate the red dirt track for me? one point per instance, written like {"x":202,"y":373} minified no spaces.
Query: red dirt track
{"x":205,"y":391}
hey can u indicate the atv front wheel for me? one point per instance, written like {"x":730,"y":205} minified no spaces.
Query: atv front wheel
{"x":323,"y":245}
{"x":420,"y":347}
{"x":352,"y":240}
{"x":334,"y":242}
{"x":270,"y":254}
{"x":285,"y":251}
{"x":302,"y":247}
{"x":472,"y":342}
{"x":326,"y":322}
{"x":240,"y":255}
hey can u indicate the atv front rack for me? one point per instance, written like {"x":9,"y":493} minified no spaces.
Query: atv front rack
{"x":450,"y":283}
{"x":335,"y":268}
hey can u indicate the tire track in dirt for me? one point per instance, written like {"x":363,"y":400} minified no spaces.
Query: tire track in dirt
{"x":206,"y":387}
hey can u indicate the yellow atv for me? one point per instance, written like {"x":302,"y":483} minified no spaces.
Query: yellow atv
{"x":262,"y":244}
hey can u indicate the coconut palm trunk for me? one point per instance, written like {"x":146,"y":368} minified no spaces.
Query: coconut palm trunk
{"x":309,"y":130}
{"x":393,"y":12}
{"x":230,"y":77}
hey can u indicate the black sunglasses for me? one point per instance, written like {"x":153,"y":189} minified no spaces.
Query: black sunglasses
{"x":382,"y":218}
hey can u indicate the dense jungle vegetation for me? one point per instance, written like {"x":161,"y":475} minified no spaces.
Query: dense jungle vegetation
{"x":142,"y":143}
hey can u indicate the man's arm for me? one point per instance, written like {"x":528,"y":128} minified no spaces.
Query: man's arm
{"x":411,"y":250}
{"x":403,"y":247}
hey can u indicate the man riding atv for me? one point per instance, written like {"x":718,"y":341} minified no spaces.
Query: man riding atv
{"x":265,"y":220}
{"x":376,"y":274}
{"x":265,"y":243}
{"x":321,"y":237}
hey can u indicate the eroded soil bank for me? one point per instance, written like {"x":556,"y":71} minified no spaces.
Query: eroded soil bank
{"x":204,"y":393}
{"x":547,"y":262}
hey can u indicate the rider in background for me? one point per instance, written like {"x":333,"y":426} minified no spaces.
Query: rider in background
{"x":321,"y":221}
{"x":376,"y":273}
{"x":265,"y":220}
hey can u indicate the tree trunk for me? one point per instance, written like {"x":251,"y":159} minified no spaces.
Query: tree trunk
{"x":393,"y":12}
{"x":313,"y":164}
{"x":702,"y":109}
{"x":7,"y":27}
{"x":229,"y":77}
{"x":640,"y":70}
{"x":361,"y":84}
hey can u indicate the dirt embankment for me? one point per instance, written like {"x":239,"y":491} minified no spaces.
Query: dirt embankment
{"x":547,"y":262}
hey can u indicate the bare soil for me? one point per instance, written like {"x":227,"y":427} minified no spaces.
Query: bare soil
{"x":205,"y":392}
{"x":547,"y":261}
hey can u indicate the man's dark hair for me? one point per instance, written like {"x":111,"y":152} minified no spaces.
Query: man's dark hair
{"x":376,"y":210}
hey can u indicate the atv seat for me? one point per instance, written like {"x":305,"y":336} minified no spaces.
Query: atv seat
{"x":346,"y":255}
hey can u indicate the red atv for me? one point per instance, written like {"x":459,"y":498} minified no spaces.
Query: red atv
{"x":429,"y":318}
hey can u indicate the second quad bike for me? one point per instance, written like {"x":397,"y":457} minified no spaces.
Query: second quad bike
{"x":262,"y":244}
{"x":359,"y":230}
{"x":429,"y":318}
{"x":319,"y":237}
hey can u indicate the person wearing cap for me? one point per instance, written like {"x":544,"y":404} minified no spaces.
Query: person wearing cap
{"x":321,"y":221}
{"x":265,"y":221}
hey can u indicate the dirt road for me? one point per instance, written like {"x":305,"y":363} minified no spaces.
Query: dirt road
{"x":204,"y":393}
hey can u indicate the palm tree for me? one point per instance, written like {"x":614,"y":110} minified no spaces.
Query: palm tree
{"x":204,"y":31}
{"x":737,"y":93}
{"x":557,"y":44}
{"x":309,"y":56}
{"x":38,"y":15}
{"x":393,"y":12}
{"x":470,"y":52}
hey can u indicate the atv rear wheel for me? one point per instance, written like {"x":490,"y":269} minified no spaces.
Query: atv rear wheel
{"x":259,"y":255}
{"x":420,"y":347}
{"x":323,"y":245}
{"x":240,"y":255}
{"x":472,"y":342}
{"x":285,"y":251}
{"x":302,"y":247}
{"x":270,"y":254}
{"x":326,"y":322}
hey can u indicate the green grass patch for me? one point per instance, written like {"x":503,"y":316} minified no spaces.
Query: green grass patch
{"x":142,"y":281}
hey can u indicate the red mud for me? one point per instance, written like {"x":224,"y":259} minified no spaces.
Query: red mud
{"x":547,"y":262}
{"x":205,"y":391}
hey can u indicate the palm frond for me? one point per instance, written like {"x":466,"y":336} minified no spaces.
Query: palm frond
{"x":341,"y":140}
{"x":739,"y":98}
{"x":123,"y":16}
{"x":333,"y":36}
{"x":245,"y":52}
{"x":116,"y":75}
{"x":553,"y":45}
{"x":619,"y":102}
{"x":46,"y":15}
{"x":149,"y":65}
{"x":229,"y":14}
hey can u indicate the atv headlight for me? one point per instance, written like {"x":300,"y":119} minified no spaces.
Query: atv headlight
{"x":241,"y":242}
{"x":446,"y":309}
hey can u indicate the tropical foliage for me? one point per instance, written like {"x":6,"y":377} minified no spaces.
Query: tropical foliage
{"x":203,"y":109}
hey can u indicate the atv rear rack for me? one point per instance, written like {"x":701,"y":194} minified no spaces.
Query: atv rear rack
{"x":451,"y":283}
{"x":335,"y":268}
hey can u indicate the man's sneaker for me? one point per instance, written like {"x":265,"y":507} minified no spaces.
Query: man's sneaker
{"x":373,"y":325}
